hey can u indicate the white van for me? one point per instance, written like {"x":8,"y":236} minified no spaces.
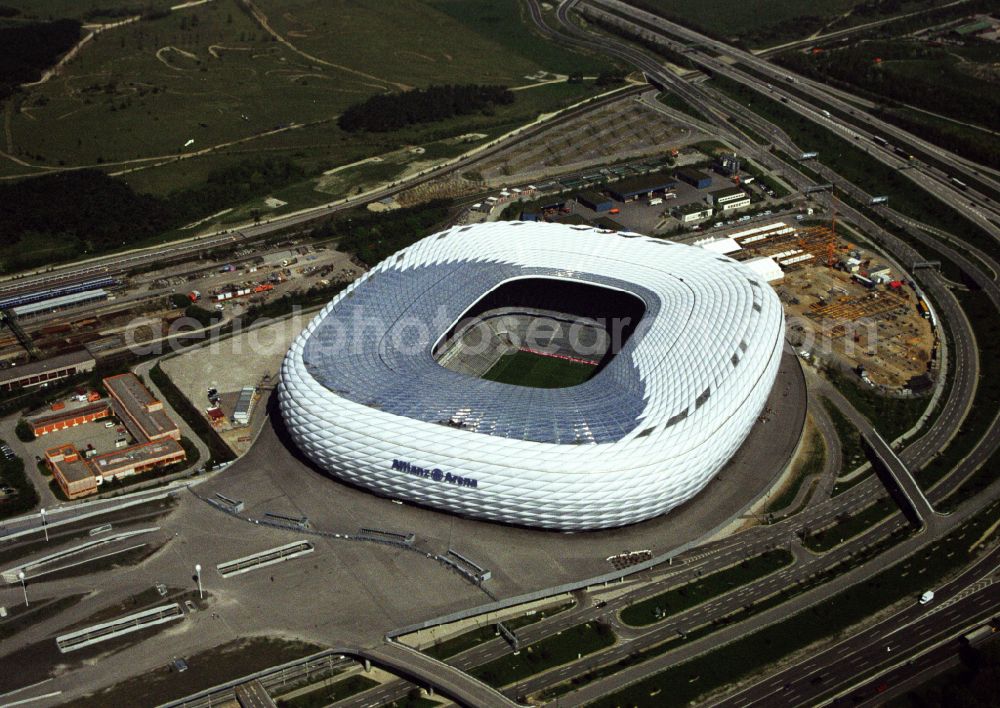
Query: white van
{"x":926,"y":597}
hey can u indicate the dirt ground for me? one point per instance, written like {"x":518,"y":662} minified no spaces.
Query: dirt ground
{"x":893,"y":345}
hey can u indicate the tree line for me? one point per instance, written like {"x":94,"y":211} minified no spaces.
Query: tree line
{"x":372,"y":237}
{"x":27,"y":50}
{"x":385,"y":112}
{"x":88,"y":212}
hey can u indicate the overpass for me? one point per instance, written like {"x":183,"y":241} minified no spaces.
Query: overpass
{"x":427,"y":671}
{"x":898,"y":479}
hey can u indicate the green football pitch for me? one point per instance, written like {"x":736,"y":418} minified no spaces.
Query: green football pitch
{"x":527,"y":369}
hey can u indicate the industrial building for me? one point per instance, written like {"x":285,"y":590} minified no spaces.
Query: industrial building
{"x":72,"y":473}
{"x":668,"y":409}
{"x":696,"y":178}
{"x":52,"y":369}
{"x":69,"y":417}
{"x":142,"y":414}
{"x":594,"y":201}
{"x":59,"y":303}
{"x":137,"y":459}
{"x":729,"y":198}
{"x":633,"y":188}
{"x":244,"y":406}
{"x":690,"y":213}
{"x":157,"y":439}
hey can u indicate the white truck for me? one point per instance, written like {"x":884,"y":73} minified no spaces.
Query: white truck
{"x":655,"y":201}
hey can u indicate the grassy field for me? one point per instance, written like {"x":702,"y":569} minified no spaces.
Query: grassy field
{"x":535,"y":371}
{"x":213,"y":74}
{"x":675,"y":600}
{"x":552,"y":651}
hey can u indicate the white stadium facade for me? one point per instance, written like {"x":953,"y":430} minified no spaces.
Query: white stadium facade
{"x":384,"y":388}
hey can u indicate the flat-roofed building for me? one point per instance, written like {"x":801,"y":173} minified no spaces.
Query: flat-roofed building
{"x":633,"y":188}
{"x":696,"y":178}
{"x":244,"y":406}
{"x":690,"y":213}
{"x":72,"y":473}
{"x":137,"y":459}
{"x":730,"y":198}
{"x":139,"y":410}
{"x":39,"y":372}
{"x":69,"y":417}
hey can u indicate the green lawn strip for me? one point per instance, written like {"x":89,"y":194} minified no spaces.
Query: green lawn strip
{"x":852,"y":455}
{"x":856,"y":165}
{"x":764,"y":177}
{"x":977,"y":482}
{"x":218,"y":449}
{"x":812,"y":465}
{"x":329,"y":693}
{"x":683,"y":683}
{"x":536,"y":371}
{"x":461,"y":642}
{"x":672,"y":100}
{"x":848,"y":526}
{"x":782,"y":596}
{"x":890,"y":416}
{"x":552,"y":651}
{"x":659,"y":607}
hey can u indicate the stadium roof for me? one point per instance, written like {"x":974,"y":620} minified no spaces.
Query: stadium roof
{"x":681,"y":358}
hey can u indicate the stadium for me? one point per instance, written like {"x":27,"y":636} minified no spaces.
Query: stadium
{"x":535,"y":374}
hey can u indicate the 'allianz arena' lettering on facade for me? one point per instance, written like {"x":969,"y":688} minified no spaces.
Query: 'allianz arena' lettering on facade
{"x":643,"y":435}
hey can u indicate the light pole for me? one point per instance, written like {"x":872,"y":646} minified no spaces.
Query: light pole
{"x":44,"y":526}
{"x":20,"y":576}
{"x":197,"y":572}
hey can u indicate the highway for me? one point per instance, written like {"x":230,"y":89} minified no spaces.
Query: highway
{"x":964,"y":602}
{"x":820,"y":92}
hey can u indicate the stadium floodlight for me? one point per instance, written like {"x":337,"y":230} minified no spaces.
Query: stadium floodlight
{"x":24,"y":588}
{"x":371,"y":391}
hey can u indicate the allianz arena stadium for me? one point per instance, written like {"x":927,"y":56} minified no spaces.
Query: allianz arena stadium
{"x":536,"y":374}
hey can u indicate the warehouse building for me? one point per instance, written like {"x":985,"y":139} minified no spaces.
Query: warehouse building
{"x":594,"y":200}
{"x":39,"y":372}
{"x":142,"y":414}
{"x":628,"y":190}
{"x":69,"y":418}
{"x":59,"y":303}
{"x":696,"y":178}
{"x":244,"y":406}
{"x":729,"y":198}
{"x":137,"y":459}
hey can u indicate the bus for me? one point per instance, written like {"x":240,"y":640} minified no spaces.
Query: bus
{"x":880,"y":141}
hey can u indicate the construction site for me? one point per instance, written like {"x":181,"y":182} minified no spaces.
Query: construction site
{"x":845,"y":306}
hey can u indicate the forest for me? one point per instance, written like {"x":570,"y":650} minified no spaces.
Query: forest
{"x":27,"y":50}
{"x":385,"y":112}
{"x":88,"y":212}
